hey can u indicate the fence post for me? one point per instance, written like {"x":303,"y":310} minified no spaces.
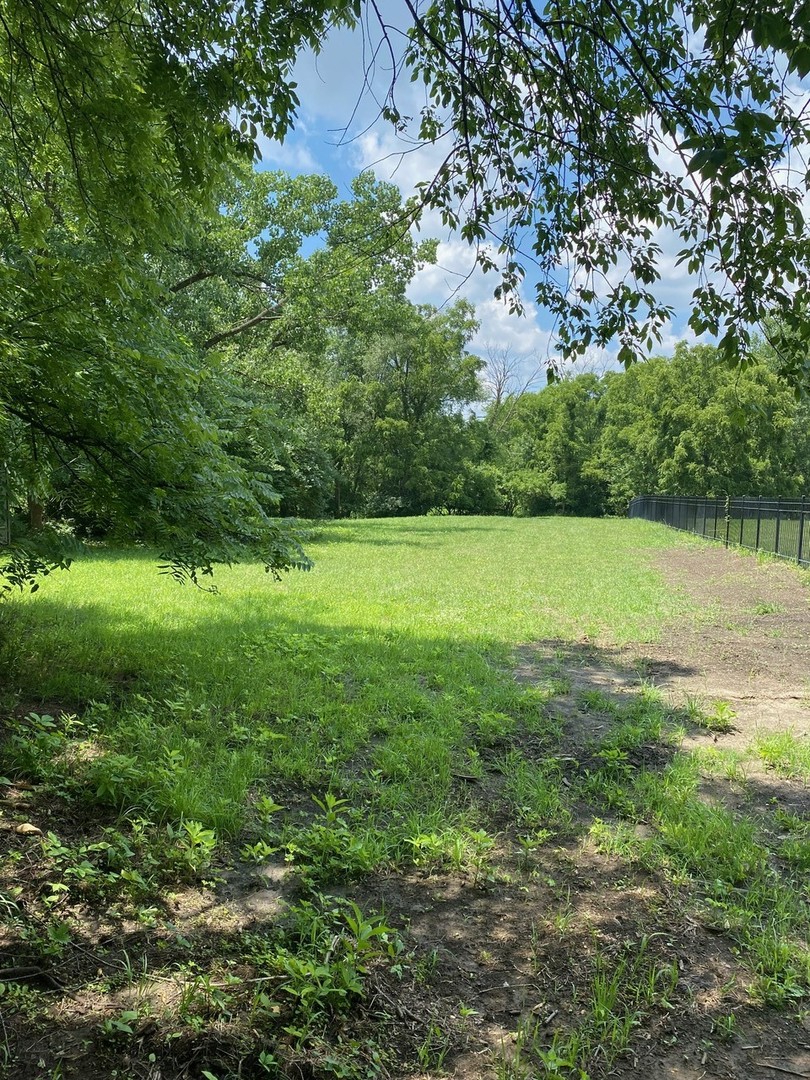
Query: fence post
{"x":716,"y":515}
{"x":801,"y":533}
{"x":759,"y":521}
{"x":778,"y":523}
{"x":743,"y":508}
{"x":728,"y":518}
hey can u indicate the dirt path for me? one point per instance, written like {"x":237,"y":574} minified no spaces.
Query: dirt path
{"x":750,"y":645}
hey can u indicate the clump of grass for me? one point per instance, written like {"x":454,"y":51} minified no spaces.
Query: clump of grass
{"x":766,"y":607}
{"x":786,"y":753}
{"x":717,"y":716}
{"x":612,"y":1004}
{"x":535,"y":791}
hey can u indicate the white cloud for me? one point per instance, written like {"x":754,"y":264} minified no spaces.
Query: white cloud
{"x":293,"y":155}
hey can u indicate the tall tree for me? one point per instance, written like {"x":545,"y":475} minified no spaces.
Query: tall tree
{"x":690,"y":426}
{"x":401,"y":389}
{"x":120,"y":121}
{"x":548,"y":450}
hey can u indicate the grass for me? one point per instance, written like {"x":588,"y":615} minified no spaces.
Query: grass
{"x":362,"y":720}
{"x":382,"y":663}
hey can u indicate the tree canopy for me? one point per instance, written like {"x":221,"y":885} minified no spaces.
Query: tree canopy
{"x":587,"y":445}
{"x":575,"y":132}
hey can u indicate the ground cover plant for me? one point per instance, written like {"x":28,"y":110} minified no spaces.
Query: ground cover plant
{"x":423,"y":810}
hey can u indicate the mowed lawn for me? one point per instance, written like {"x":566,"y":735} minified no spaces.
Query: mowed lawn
{"x":398,"y":640}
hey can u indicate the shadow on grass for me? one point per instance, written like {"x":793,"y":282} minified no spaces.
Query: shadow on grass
{"x":397,"y":532}
{"x":520,"y":931}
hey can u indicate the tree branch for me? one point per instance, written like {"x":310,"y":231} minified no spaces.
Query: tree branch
{"x":267,"y":315}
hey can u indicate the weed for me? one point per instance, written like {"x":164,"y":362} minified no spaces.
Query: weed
{"x":434,"y":1049}
{"x":535,"y":791}
{"x":694,"y":707}
{"x":259,"y":852}
{"x":721,"y":717}
{"x":336,"y":847}
{"x":529,"y":844}
{"x":194,"y":845}
{"x":725,"y":1027}
{"x":425,"y":967}
{"x":786,"y":753}
{"x":115,"y":1026}
{"x":595,"y":701}
{"x":767,"y":607}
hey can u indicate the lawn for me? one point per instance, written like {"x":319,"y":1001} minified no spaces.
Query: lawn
{"x":226,"y":813}
{"x":395,"y":645}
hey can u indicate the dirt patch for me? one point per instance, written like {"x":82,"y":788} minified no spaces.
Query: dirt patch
{"x":750,"y":643}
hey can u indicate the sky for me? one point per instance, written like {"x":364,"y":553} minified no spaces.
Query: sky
{"x":339,"y":132}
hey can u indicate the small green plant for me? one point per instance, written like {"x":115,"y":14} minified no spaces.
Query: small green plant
{"x":721,"y":717}
{"x":725,"y":1027}
{"x":786,"y":753}
{"x":115,"y":1026}
{"x":428,"y":848}
{"x":614,"y":761}
{"x":194,"y":845}
{"x":529,"y":844}
{"x":333,"y":848}
{"x":330,"y":945}
{"x":694,"y":708}
{"x":425,"y":967}
{"x":267,"y":807}
{"x":434,"y":1049}
{"x":268,"y":1062}
{"x":259,"y":852}
{"x":595,"y":701}
{"x":767,"y":607}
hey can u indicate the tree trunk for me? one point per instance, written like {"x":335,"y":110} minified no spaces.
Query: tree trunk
{"x":36,"y":514}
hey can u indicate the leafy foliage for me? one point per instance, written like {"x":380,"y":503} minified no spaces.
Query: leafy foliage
{"x":687,"y":425}
{"x":581,"y":134}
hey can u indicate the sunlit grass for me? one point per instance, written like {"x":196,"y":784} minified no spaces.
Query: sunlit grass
{"x":398,"y":638}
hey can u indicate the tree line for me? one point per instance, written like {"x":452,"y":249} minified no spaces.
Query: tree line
{"x":282,"y":373}
{"x":191,"y":351}
{"x":686,"y":425}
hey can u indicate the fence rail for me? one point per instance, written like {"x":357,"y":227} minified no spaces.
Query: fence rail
{"x":779,"y":526}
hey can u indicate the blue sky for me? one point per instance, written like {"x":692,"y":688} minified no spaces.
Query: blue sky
{"x":338,"y":132}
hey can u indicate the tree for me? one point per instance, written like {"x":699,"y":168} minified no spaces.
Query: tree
{"x":123,"y":123}
{"x":404,"y":442}
{"x":690,"y":426}
{"x":548,"y":451}
{"x":560,"y":121}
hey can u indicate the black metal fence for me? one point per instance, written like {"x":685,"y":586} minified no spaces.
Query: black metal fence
{"x":780,"y":526}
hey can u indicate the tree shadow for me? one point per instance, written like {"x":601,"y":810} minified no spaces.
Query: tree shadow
{"x":518,"y":931}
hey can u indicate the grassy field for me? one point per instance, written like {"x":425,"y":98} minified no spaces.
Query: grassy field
{"x":396,"y":640}
{"x":350,"y":725}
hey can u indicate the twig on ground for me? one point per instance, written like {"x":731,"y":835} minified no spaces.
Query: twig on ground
{"x":780,"y":1068}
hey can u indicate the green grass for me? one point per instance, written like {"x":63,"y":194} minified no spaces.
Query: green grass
{"x":383,"y":664}
{"x":361,"y":718}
